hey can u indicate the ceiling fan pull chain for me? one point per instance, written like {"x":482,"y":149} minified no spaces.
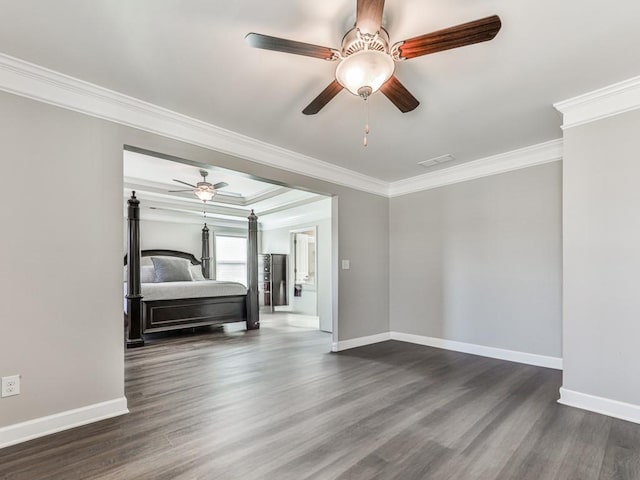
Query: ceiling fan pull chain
{"x":366,"y":121}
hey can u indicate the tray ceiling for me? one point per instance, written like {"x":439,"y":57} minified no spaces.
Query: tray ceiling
{"x":152,"y":177}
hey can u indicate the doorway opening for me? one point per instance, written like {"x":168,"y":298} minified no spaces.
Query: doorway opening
{"x":295,"y":286}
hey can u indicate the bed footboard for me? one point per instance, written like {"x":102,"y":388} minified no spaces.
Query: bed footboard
{"x":163,"y":315}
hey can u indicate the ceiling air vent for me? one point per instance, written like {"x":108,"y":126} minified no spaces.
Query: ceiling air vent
{"x":436,"y":161}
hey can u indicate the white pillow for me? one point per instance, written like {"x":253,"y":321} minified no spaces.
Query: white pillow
{"x":171,"y":269}
{"x":147,"y":274}
{"x":196,"y":273}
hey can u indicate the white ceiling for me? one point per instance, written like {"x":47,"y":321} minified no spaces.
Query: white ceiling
{"x":189,"y":56}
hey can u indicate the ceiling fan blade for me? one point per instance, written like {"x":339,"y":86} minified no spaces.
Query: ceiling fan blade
{"x":369,"y":15}
{"x":175,"y":191}
{"x":399,"y":95}
{"x":266,"y":42}
{"x":185,"y":183}
{"x":220,"y":185}
{"x":325,"y":97}
{"x":477,"y":31}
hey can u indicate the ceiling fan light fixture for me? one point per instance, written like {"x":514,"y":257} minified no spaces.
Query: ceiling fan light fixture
{"x":205,"y":194}
{"x":365,"y":61}
{"x":366,"y":68}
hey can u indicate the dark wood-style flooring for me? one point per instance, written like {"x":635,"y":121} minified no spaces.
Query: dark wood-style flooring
{"x":274,"y":404}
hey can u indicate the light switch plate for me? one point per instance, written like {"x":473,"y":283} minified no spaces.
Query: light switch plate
{"x":345,"y":265}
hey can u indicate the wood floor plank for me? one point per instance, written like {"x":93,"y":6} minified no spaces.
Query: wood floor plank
{"x":275,"y":404}
{"x":622,"y":456}
{"x":587,"y":448}
{"x":487,"y":441}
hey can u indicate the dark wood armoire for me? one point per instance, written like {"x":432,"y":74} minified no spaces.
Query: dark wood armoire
{"x":273,"y":268}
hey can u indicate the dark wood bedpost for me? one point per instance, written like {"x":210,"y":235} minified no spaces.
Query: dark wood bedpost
{"x":253,"y":314}
{"x":206,"y":259}
{"x":134,"y":297}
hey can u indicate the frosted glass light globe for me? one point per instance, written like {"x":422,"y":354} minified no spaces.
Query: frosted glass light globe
{"x":367,"y":68}
{"x":205,"y":195}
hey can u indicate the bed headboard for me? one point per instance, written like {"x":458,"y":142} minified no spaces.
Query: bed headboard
{"x":168,"y":253}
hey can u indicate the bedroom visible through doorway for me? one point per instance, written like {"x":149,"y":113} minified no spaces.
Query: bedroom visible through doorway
{"x":201,"y":214}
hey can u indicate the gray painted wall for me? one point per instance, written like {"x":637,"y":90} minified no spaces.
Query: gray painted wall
{"x":601,"y":192}
{"x":62,"y":328}
{"x":61,"y":257}
{"x":480,"y":261}
{"x":185,"y":237}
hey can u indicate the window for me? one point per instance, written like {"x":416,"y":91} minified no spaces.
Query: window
{"x":231,"y":259}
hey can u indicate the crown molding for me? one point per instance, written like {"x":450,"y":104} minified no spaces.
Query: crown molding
{"x":602,"y":103}
{"x":505,"y":162}
{"x":33,"y":81}
{"x":161,"y":190}
{"x":315,"y":212}
{"x":288,"y":206}
{"x":190,"y":209}
{"x":309,"y":221}
{"x":172,"y":218}
{"x":260,"y":197}
{"x":38,"y":83}
{"x":169,"y":214}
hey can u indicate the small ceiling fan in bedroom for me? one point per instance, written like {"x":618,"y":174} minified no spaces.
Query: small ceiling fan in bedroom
{"x":204,"y":190}
{"x":367,"y":60}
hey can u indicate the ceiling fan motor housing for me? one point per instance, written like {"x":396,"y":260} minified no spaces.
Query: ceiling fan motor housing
{"x":204,"y":185}
{"x":356,"y":41}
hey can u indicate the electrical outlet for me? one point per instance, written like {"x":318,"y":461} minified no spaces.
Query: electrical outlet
{"x":10,"y":386}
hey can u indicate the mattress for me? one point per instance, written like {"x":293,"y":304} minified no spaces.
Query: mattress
{"x":177,"y":290}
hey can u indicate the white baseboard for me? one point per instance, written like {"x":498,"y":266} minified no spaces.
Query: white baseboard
{"x":39,"y":427}
{"x":359,"y":342}
{"x":605,"y":406}
{"x":492,"y":352}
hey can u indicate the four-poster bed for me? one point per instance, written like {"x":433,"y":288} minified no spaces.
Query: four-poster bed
{"x":184,"y":302}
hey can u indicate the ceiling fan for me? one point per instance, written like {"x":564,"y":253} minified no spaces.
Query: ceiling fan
{"x":204,"y":190}
{"x":366,"y":61}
